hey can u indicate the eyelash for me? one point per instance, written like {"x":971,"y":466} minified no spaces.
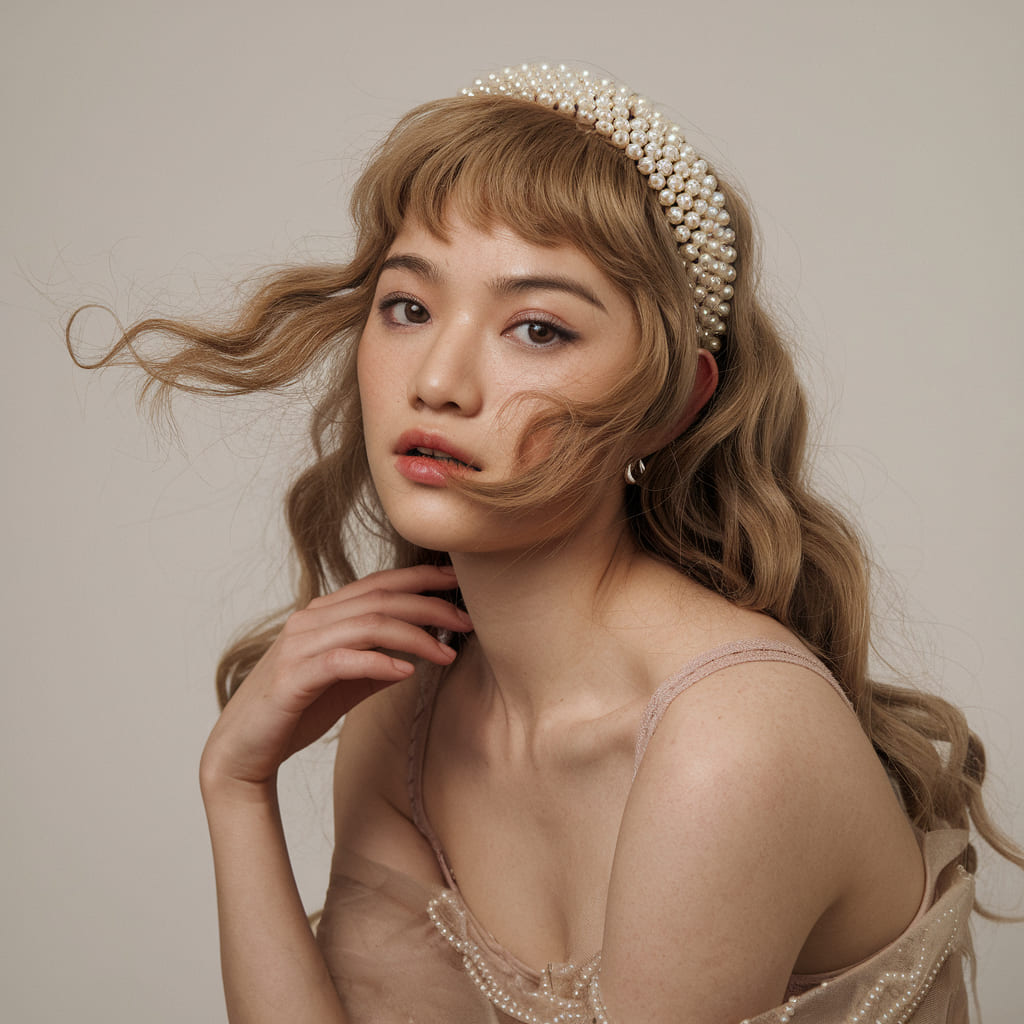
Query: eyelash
{"x":563,"y":335}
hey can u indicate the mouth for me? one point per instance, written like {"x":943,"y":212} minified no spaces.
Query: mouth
{"x":440,"y":456}
{"x":417,"y":444}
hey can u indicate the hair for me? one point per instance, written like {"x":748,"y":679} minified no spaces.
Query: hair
{"x":728,"y":502}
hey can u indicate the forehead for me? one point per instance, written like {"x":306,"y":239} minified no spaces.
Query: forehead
{"x":492,"y":250}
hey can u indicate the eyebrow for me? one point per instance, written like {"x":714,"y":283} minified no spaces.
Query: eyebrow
{"x":502,"y":285}
{"x":553,"y":283}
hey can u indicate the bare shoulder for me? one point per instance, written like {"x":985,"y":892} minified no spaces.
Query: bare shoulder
{"x":759,"y":810}
{"x":372,"y":812}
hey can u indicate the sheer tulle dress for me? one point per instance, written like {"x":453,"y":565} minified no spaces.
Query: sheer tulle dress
{"x":401,"y":952}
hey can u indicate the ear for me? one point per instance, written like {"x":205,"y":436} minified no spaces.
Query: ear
{"x":704,"y":383}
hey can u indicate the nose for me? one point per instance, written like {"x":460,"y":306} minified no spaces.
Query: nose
{"x":447,"y":374}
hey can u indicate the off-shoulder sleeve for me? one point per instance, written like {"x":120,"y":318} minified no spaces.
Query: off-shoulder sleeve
{"x":388,"y":961}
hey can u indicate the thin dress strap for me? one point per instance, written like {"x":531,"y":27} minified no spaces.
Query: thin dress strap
{"x":414,"y":780}
{"x":739,"y":652}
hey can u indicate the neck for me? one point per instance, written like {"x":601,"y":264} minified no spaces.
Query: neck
{"x":547,"y":620}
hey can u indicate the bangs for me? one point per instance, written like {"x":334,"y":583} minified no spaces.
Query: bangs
{"x":499,"y":161}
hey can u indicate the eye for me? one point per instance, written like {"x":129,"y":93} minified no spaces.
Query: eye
{"x":541,"y":333}
{"x":402,"y":310}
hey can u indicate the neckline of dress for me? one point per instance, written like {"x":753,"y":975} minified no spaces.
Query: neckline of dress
{"x":420,"y":735}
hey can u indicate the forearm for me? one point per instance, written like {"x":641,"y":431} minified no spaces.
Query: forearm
{"x":273,"y":970}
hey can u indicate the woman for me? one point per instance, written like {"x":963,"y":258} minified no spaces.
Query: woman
{"x":611,"y":750}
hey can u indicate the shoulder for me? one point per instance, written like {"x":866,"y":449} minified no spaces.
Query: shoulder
{"x":762,"y":738}
{"x":750,"y":818}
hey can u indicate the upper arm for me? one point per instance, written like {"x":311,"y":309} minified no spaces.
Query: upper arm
{"x":372,"y":814}
{"x":733,"y":844}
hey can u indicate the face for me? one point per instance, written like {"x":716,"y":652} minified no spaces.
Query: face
{"x":459,"y":327}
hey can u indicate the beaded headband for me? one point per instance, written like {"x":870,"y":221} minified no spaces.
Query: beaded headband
{"x":687,"y":190}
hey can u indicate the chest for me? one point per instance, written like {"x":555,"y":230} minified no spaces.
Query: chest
{"x":530,"y":848}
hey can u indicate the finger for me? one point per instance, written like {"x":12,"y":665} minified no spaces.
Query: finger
{"x":367,"y":632}
{"x":354,"y":672}
{"x":415,"y":608}
{"x":414,"y":579}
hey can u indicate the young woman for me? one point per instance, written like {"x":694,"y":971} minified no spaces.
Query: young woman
{"x":611,"y":750}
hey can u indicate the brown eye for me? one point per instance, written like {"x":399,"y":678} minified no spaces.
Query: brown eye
{"x":541,"y":333}
{"x":410,"y":312}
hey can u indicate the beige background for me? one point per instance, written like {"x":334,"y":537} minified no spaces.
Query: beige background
{"x":156,"y":153}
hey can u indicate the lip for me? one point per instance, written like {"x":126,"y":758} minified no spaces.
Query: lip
{"x":427,"y":469}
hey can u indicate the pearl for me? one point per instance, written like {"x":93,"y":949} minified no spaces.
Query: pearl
{"x":686,"y":189}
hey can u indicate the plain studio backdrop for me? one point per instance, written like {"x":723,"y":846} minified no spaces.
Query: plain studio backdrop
{"x":157,"y":155}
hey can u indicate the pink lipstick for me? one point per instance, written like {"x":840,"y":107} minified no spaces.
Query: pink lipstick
{"x":428,"y":458}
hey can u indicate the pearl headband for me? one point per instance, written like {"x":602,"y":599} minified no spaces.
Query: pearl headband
{"x":687,"y":190}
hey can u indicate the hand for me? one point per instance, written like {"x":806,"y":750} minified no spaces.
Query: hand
{"x":326,"y":659}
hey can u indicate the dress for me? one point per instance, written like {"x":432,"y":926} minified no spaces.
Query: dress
{"x":400,"y":951}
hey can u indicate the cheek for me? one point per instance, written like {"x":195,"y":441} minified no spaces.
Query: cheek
{"x":375,"y":377}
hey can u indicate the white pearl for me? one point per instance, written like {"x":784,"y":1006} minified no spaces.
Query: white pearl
{"x":688,"y":192}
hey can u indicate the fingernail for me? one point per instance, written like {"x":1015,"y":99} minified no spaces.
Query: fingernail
{"x":448,"y":569}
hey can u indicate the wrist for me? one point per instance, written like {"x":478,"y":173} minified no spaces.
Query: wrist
{"x":221,"y":789}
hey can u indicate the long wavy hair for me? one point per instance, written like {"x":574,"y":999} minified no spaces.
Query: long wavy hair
{"x":729,"y":502}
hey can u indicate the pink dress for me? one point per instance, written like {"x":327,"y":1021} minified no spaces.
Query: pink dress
{"x":400,"y":951}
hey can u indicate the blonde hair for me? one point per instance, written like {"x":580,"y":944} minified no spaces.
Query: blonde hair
{"x":728,"y":502}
